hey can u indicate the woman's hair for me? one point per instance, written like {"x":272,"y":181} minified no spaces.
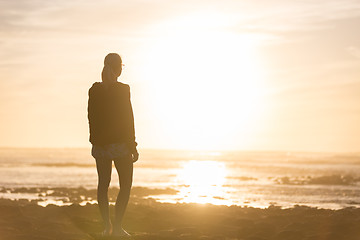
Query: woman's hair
{"x":112,"y":67}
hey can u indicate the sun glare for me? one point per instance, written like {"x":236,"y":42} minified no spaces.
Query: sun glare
{"x":206,"y":86}
{"x":203,"y":182}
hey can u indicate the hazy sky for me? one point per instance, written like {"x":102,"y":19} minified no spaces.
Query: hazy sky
{"x":242,"y":75}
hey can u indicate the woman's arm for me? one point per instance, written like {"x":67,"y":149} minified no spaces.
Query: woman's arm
{"x":93,"y":116}
{"x":132,"y":142}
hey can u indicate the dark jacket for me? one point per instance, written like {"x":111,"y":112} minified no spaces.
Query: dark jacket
{"x":110,"y":115}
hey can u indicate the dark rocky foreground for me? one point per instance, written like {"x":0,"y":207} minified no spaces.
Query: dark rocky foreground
{"x":147,"y":219}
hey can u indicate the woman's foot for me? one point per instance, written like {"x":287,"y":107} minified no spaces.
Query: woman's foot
{"x":120,"y":233}
{"x":108,"y":230}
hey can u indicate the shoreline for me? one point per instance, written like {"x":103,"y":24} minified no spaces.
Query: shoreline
{"x":79,"y":195}
{"x":64,"y":196}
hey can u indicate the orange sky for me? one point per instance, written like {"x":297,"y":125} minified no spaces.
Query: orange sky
{"x":241,"y":75}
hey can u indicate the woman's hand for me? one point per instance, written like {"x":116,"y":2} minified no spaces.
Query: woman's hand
{"x":135,"y":155}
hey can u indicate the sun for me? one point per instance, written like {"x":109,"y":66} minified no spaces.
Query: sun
{"x":206,"y":87}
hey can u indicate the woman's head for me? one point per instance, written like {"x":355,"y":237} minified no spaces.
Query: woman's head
{"x":112,"y":67}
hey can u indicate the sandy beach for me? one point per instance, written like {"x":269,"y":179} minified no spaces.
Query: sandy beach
{"x":148,"y":219}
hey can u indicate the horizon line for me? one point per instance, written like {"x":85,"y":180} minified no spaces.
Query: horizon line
{"x":196,"y":150}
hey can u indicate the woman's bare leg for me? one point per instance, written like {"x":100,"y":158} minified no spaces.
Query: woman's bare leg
{"x":104,"y":168}
{"x":124,"y":167}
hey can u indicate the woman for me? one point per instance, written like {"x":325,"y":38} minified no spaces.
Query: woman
{"x":112,"y":136}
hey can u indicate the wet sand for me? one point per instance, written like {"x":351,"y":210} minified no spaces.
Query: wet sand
{"x":148,"y":219}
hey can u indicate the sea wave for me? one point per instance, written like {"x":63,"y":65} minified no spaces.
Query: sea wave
{"x":334,"y":179}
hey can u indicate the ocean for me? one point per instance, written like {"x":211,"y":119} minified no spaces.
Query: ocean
{"x":254,"y":179}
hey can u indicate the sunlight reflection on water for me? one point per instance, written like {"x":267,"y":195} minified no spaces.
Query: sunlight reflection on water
{"x":202,"y":182}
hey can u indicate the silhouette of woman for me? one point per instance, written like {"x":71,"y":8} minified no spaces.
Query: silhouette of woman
{"x":112,"y":135}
